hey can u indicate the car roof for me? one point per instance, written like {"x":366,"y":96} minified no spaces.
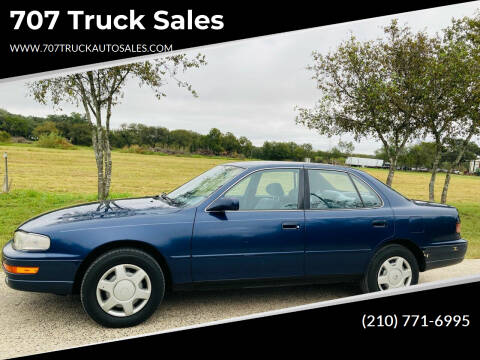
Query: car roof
{"x":280,"y":164}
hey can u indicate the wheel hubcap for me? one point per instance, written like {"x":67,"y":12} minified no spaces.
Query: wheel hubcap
{"x":123,"y":290}
{"x":395,"y":272}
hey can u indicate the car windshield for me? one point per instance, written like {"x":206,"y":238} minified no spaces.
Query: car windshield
{"x":198,"y":189}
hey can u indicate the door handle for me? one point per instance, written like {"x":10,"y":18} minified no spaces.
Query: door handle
{"x":379,"y":223}
{"x":290,"y":226}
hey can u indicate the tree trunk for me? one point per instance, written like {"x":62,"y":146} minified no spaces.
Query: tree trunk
{"x":106,"y":150}
{"x":103,"y":158}
{"x":100,"y":140}
{"x":445,"y":186}
{"x":391,"y":171}
{"x":454,"y":165}
{"x":393,"y":153}
{"x":108,"y":167}
{"x":99,"y":159}
{"x":431,"y":187}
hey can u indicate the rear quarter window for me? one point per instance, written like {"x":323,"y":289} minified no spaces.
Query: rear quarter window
{"x":369,"y":196}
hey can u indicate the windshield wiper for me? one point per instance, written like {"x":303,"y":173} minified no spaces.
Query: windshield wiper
{"x":165,"y":197}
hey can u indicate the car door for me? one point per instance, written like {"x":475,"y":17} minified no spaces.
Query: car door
{"x":263,"y":239}
{"x":344,"y":219}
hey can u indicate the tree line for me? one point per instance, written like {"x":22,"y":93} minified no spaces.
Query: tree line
{"x":73,"y":127}
{"x":140,"y":138}
{"x":402,"y":87}
{"x":143,"y":138}
{"x":421,"y":156}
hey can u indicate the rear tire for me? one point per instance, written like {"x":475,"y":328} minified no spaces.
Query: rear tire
{"x":122,"y":288}
{"x":393,"y":266}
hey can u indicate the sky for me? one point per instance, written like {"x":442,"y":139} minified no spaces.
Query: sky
{"x":249,"y":87}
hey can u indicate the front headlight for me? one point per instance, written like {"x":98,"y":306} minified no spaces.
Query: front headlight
{"x":28,"y":241}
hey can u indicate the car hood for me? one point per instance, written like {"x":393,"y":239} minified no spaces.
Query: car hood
{"x":120,"y":208}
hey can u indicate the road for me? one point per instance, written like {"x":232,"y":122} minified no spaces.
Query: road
{"x":58,"y":322}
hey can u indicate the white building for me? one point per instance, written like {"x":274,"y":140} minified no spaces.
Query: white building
{"x":474,"y":165}
{"x":364,"y":162}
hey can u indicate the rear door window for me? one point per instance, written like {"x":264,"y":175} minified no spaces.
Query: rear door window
{"x":332,"y":190}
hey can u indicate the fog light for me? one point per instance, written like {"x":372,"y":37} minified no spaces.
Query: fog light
{"x":20,"y":269}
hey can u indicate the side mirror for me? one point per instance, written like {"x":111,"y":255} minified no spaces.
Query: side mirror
{"x":224,"y":204}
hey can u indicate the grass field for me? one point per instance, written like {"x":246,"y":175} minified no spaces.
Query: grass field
{"x":44,"y":179}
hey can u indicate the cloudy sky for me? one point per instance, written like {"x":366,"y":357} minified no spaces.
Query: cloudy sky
{"x":249,"y":87}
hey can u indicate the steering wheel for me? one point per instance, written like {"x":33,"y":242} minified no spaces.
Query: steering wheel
{"x":322,"y":199}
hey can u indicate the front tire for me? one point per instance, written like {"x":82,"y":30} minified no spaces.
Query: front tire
{"x":393,"y":266}
{"x":122,"y":288}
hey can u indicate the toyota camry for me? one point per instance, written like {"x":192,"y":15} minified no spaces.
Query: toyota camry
{"x":238,"y":224}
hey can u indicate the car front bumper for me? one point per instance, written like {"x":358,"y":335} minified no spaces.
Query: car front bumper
{"x":445,"y":254}
{"x":55,"y":275}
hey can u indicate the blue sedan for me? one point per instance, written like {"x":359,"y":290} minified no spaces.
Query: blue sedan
{"x":241,"y":224}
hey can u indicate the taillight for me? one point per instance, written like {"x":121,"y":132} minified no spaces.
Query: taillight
{"x":459,"y":227}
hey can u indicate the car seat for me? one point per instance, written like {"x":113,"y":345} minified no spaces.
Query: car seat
{"x":275,"y":190}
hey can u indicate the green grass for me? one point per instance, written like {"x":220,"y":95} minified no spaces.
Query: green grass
{"x":470,"y":216}
{"x":45,"y":179}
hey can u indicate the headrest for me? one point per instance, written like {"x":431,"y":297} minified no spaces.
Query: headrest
{"x":275,"y":189}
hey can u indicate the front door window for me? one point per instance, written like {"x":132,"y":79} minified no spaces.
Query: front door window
{"x":267,"y":190}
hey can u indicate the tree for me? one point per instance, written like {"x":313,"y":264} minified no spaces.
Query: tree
{"x":4,"y":136}
{"x":346,"y":147}
{"x":421,"y":155}
{"x":16,"y":125}
{"x":48,"y":127}
{"x":246,"y":146}
{"x":74,"y":127}
{"x":455,"y":146}
{"x":371,"y":89}
{"x":181,"y":139}
{"x":436,"y":111}
{"x":462,"y":47}
{"x":214,"y":141}
{"x":230,"y":143}
{"x":98,"y":91}
{"x":80,"y":134}
{"x":146,"y":135}
{"x":334,"y":154}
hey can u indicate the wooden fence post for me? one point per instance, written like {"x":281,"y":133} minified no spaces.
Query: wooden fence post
{"x":5,"y":183}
